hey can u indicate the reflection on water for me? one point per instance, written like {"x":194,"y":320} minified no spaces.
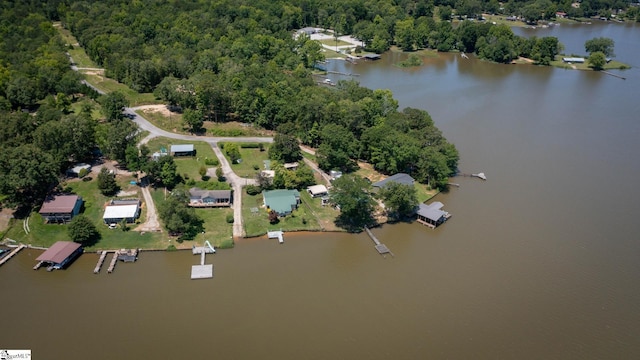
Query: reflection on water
{"x":538,"y":262}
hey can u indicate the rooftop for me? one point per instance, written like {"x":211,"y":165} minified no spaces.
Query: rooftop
{"x":400,"y":178}
{"x":58,"y":252}
{"x":281,"y":201}
{"x":432,"y":211}
{"x":182,"y":148}
{"x":59,"y":204}
{"x":120,"y":211}
{"x":218,"y":194}
{"x":317,"y":189}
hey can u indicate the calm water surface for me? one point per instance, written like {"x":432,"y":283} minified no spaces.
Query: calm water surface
{"x":539,"y":262}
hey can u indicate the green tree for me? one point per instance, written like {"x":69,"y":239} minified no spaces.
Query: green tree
{"x":82,"y":230}
{"x":233,"y":151}
{"x":601,"y":44}
{"x":597,"y":60}
{"x":115,"y":137}
{"x":193,"y":120}
{"x":399,"y":199}
{"x":107,"y":182}
{"x":285,"y":148}
{"x":405,"y":34}
{"x":26,"y":174}
{"x":220,"y":174}
{"x":179,"y":219}
{"x":352,"y":194}
{"x":113,"y":104}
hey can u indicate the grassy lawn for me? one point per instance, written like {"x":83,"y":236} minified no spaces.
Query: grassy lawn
{"x":502,"y":20}
{"x":330,"y":54}
{"x":424,"y":193}
{"x":174,"y":124}
{"x":186,"y":165}
{"x":257,"y":224}
{"x":332,"y":42}
{"x":171,"y":123}
{"x":96,"y":113}
{"x":217,"y":230}
{"x":325,"y":215}
{"x":80,"y":57}
{"x":46,"y":234}
{"x":250,"y":159}
{"x":109,"y":85}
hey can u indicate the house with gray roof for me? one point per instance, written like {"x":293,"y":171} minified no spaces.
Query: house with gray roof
{"x":400,"y":178}
{"x":283,"y":202}
{"x":209,"y":198}
{"x":431,"y":215}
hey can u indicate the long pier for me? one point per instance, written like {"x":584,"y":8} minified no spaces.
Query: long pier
{"x":114,"y":260}
{"x":12,"y":253}
{"x":382,"y":248}
{"x":103,"y":256}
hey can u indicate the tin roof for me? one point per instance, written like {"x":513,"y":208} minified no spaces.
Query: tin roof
{"x":182,"y":148}
{"x":58,"y":252}
{"x":432,"y":211}
{"x":59,"y":204}
{"x":400,"y":178}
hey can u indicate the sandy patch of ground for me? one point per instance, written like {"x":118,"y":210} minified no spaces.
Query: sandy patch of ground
{"x":162,"y":109}
{"x":5,"y":215}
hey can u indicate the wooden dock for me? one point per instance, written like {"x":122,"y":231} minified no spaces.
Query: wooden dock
{"x":382,"y":248}
{"x":12,"y":253}
{"x":38,"y":265}
{"x":276,"y":235}
{"x":202,"y":271}
{"x":103,"y":256}
{"x":114,"y":260}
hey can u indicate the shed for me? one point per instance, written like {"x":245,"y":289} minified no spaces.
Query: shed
{"x":209,"y":198}
{"x":114,"y":214}
{"x":60,"y":254}
{"x":432,"y":215}
{"x":183,"y":150}
{"x":400,"y":178}
{"x":291,"y":166}
{"x":60,"y":208}
{"x":283,"y":202}
{"x":317,"y":190}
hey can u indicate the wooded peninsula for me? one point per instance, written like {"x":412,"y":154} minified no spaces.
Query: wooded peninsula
{"x":228,"y":61}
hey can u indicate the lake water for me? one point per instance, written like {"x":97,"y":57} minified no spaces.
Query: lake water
{"x":541,"y":261}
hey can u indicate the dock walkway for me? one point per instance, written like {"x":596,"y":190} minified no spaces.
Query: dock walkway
{"x":114,"y":260}
{"x":103,"y":256}
{"x":382,"y":248}
{"x":202,"y":271}
{"x":12,"y":253}
{"x":276,"y":235}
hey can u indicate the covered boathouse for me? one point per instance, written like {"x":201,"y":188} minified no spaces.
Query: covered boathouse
{"x":431,"y":215}
{"x":59,"y":255}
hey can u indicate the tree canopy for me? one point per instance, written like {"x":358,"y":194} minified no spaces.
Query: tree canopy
{"x":352,"y":194}
{"x":83,"y":231}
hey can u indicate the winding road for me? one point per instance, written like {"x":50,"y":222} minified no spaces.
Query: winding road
{"x":236,"y":182}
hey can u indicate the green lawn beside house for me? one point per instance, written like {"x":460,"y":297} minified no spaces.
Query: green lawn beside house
{"x":45,"y":235}
{"x":187,"y":165}
{"x":251,"y":158}
{"x":257,"y":223}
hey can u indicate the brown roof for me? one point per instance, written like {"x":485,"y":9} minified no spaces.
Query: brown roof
{"x":58,"y":252}
{"x":59,"y":204}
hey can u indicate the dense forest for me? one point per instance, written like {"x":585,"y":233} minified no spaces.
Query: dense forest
{"x":227,"y":60}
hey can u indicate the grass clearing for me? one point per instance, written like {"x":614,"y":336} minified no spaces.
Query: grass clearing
{"x":109,"y":85}
{"x":325,"y":215}
{"x":187,"y":165}
{"x":46,"y":234}
{"x":217,"y":230}
{"x":251,"y":158}
{"x":332,"y":42}
{"x":611,"y":65}
{"x":257,"y":223}
{"x":172,"y":123}
{"x":96,"y":113}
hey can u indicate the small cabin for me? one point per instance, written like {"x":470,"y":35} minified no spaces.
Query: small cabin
{"x":317,"y":190}
{"x":60,"y":208}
